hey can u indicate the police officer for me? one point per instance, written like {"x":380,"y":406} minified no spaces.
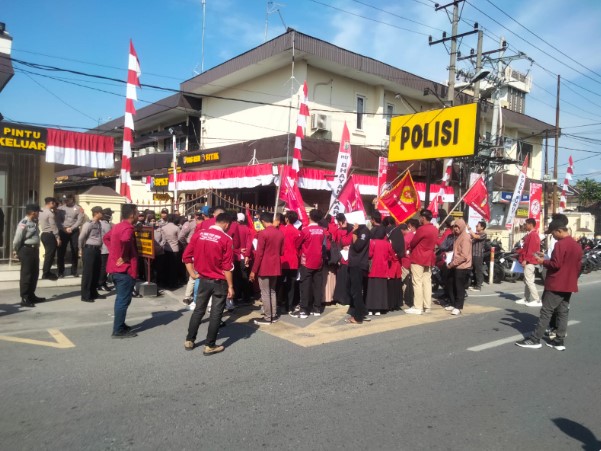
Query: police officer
{"x":70,"y":218}
{"x":26,"y":245}
{"x":90,"y":243}
{"x":106,"y":225}
{"x":50,"y":236}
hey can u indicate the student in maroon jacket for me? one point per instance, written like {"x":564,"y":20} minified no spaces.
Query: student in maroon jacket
{"x":122,"y":263}
{"x":311,"y":275}
{"x":422,"y":258}
{"x":344,"y":239}
{"x":267,"y":265}
{"x":381,"y":256}
{"x":561,"y":281}
{"x":242,"y":285}
{"x":289,"y":260}
{"x":527,"y":258}
{"x":210,"y":257}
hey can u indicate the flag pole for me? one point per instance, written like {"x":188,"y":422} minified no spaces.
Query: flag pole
{"x":459,"y":201}
{"x":395,"y":180}
{"x":277,"y":193}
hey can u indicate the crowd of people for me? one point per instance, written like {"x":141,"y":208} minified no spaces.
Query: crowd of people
{"x":224,"y":261}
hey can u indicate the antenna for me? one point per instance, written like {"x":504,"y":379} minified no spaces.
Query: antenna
{"x":273,"y":7}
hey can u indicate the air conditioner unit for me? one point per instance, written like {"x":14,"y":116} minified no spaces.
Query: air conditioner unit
{"x":320,"y":122}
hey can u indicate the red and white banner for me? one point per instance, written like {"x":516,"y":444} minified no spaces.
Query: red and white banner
{"x":301,"y":122}
{"x":382,"y":174}
{"x":517,"y":195}
{"x":227,"y":178}
{"x":566,"y":184}
{"x":133,"y":81}
{"x":438,"y":199}
{"x":290,"y":194}
{"x":350,"y":199}
{"x":477,"y":198}
{"x":343,"y":167}
{"x":536,"y":201}
{"x":401,"y":201}
{"x":80,"y":149}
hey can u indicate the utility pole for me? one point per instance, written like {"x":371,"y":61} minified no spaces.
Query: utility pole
{"x":494,"y":129}
{"x":556,"y":146}
{"x":453,"y":53}
{"x":478,"y":65}
{"x":546,"y":177}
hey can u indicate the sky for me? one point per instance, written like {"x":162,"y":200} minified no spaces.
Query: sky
{"x":559,"y":37}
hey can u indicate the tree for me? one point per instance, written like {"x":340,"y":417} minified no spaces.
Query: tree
{"x":589,"y":191}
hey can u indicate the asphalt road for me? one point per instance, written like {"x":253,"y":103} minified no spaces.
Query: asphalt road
{"x":457,"y":384}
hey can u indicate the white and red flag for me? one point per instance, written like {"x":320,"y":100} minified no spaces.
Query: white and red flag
{"x":437,"y":201}
{"x":290,"y":193}
{"x":133,"y":82}
{"x":80,"y":149}
{"x":517,"y":195}
{"x":343,"y":167}
{"x":477,"y":198}
{"x":301,"y":122}
{"x":566,"y":184}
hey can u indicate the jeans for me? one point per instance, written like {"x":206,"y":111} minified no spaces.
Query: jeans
{"x":477,"y":263}
{"x":124,"y":284}
{"x":554,"y":302}
{"x":207,"y":288}
{"x":530,"y":291}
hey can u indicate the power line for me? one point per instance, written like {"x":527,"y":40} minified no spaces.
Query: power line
{"x":549,"y":44}
{"x":397,"y":16}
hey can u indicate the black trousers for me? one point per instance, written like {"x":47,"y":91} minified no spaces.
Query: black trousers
{"x":68,"y":239}
{"x":289,"y":284}
{"x":357,"y":284}
{"x":478,"y":273}
{"x":207,"y":288}
{"x":30,"y":268}
{"x":311,"y":289}
{"x":456,"y":286}
{"x":172,"y":264}
{"x":90,"y":272}
{"x":103,"y":279}
{"x":49,"y":242}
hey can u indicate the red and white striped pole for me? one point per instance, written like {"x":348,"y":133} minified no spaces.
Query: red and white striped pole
{"x":566,"y":183}
{"x":133,"y":81}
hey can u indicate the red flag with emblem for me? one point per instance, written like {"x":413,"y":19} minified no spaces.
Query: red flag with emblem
{"x":402,"y":201}
{"x":290,"y":194}
{"x":350,"y":198}
{"x":477,"y":198}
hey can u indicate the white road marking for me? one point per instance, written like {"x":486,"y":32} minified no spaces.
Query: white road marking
{"x":503,"y":341}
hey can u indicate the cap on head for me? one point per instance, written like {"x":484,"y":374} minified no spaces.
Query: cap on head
{"x":241,"y":217}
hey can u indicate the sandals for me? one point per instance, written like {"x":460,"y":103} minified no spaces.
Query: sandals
{"x":351,"y":320}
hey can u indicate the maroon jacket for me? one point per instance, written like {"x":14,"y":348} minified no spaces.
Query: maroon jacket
{"x":531,"y":245}
{"x":344,"y":238}
{"x":270,"y":248}
{"x":245,"y":240}
{"x":422,"y":245}
{"x":121,"y":243}
{"x":211,"y":252}
{"x":312,"y":240}
{"x":292,"y":243}
{"x":563,"y":268}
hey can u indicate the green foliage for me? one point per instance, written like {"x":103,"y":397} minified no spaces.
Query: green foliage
{"x":590,"y":191}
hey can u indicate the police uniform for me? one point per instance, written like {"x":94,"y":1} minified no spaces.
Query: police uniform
{"x":90,"y":243}
{"x":69,"y":218}
{"x":27,"y":246}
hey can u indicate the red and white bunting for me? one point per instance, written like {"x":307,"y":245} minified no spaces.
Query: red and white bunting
{"x":301,"y":122}
{"x":80,"y":149}
{"x":566,"y":183}
{"x":133,"y":81}
{"x":438,"y":200}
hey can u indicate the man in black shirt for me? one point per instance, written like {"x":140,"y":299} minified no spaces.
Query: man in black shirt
{"x":358,"y":266}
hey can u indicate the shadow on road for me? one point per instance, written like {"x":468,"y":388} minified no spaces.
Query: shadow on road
{"x":519,"y":320}
{"x":158,"y":319}
{"x":578,"y":432}
{"x":9,"y":309}
{"x":508,"y":296}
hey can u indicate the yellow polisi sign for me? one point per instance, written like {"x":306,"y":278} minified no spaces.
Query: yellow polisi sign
{"x":444,"y":133}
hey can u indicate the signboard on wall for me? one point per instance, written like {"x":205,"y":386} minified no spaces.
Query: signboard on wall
{"x":22,"y":138}
{"x":198,"y":159}
{"x":443,"y":133}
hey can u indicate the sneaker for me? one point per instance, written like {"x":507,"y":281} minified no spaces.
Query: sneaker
{"x":370,"y":313}
{"x":229,"y":305}
{"x":275,"y":319}
{"x":316,"y":313}
{"x":474,"y":289}
{"x":262,"y":322}
{"x":379,"y":313}
{"x":210,"y":350}
{"x":124,"y":334}
{"x":413,"y":311}
{"x":296,"y":309}
{"x":556,"y":343}
{"x":299,"y":314}
{"x":366,"y":318}
{"x":449,"y":308}
{"x":534,"y":304}
{"x":427,"y":310}
{"x":529,"y":343}
{"x":456,"y":312}
{"x":187,"y":301}
{"x":188,"y":345}
{"x":192,"y":306}
{"x":522,"y":301}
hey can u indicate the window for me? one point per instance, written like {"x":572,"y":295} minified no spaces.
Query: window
{"x":389,"y":113}
{"x":180,"y":143}
{"x":360,"y":112}
{"x":524,"y":150}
